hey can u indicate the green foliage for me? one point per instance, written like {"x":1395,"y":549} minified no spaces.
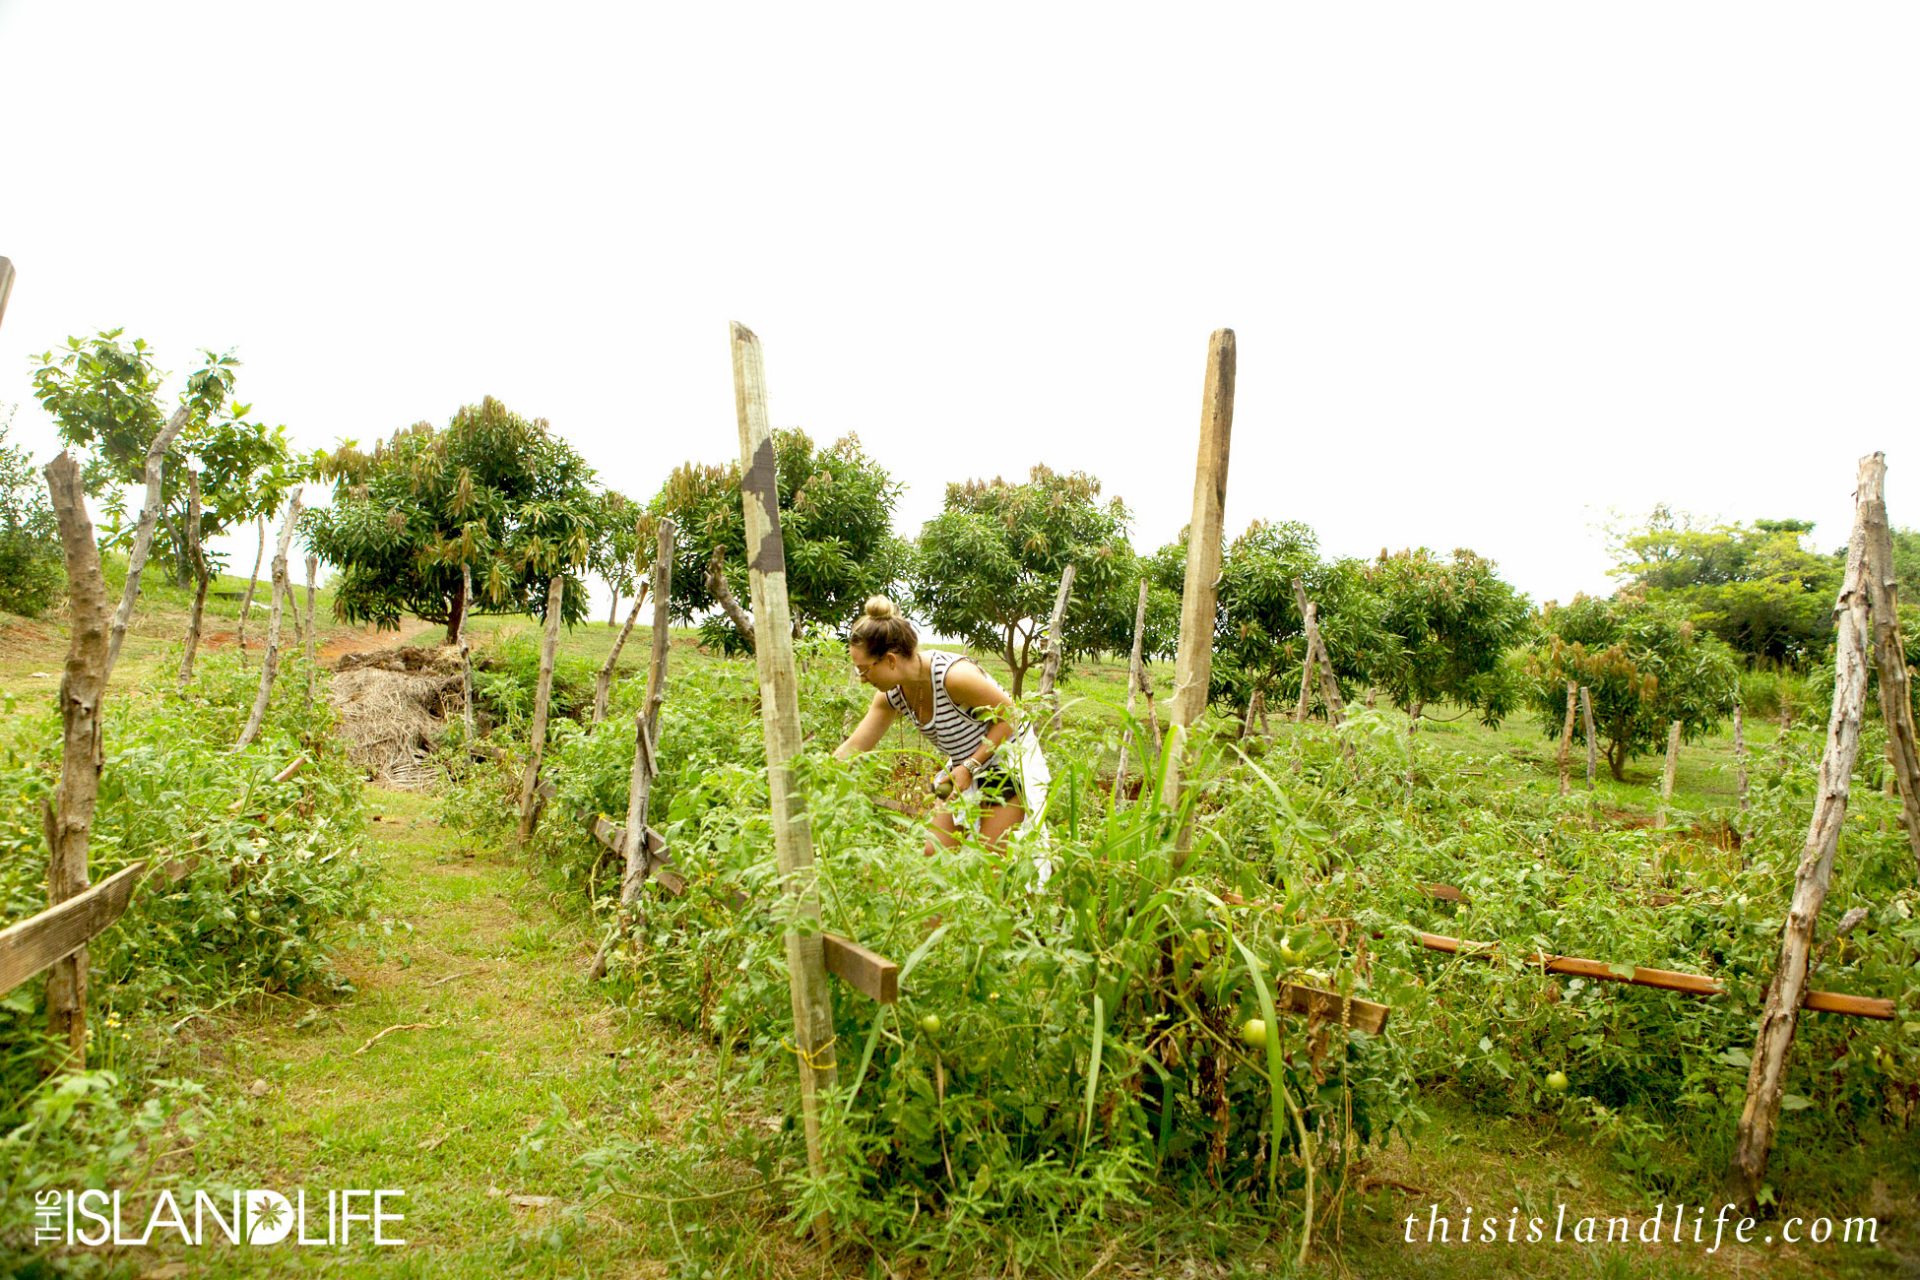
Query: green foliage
{"x":1645,"y":666}
{"x":495,"y":491}
{"x":988,"y":567}
{"x":1259,"y":638}
{"x":836,"y":513}
{"x":32,"y":572}
{"x":104,"y":397}
{"x":1756,"y":586}
{"x":1444,"y":628}
{"x":622,"y":542}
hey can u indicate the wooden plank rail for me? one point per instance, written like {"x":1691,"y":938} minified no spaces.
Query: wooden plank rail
{"x":868,"y":972}
{"x":39,"y":942}
{"x":1297,"y":997}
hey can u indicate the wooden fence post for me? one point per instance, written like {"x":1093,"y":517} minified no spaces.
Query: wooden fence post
{"x":313,"y":571}
{"x":780,"y":722}
{"x":6,"y":284}
{"x":1056,"y":646}
{"x":1740,"y":755}
{"x":69,"y":816}
{"x":1767,"y":1076}
{"x":603,"y":683}
{"x":246,"y":601}
{"x":1136,"y":678}
{"x":197,"y":557}
{"x":282,"y":592}
{"x":1896,"y":697}
{"x":1321,"y":666}
{"x":542,"y":700}
{"x":1666,"y":774}
{"x":1309,"y":666}
{"x":1566,"y":740}
{"x":143,"y":535}
{"x":1193,"y":664}
{"x":1586,"y":722}
{"x":636,"y":858}
{"x":466,"y":649}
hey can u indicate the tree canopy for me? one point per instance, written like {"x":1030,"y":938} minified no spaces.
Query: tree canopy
{"x":32,"y":570}
{"x":1443,"y":628}
{"x":493,"y":490}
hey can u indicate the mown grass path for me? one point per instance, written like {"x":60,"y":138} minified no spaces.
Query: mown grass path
{"x":470,"y":1069}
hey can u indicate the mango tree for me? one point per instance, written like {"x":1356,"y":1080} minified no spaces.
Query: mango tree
{"x":1442,"y":628}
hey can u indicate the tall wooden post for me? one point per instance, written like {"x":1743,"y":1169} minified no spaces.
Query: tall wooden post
{"x":282,"y":593}
{"x":246,"y":601}
{"x":143,"y":535}
{"x":1767,"y":1076}
{"x":1193,"y":664}
{"x":6,"y":285}
{"x":1586,"y":726}
{"x":466,"y":650}
{"x":1740,"y":755}
{"x":1896,"y":696}
{"x":542,"y":701}
{"x":1566,"y":739}
{"x":780,"y":722}
{"x":313,"y":571}
{"x":647,"y":720}
{"x":197,"y":558}
{"x":1136,"y":680}
{"x":1666,"y":776}
{"x":1056,"y":645}
{"x":69,"y":816}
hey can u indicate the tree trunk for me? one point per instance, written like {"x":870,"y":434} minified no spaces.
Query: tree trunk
{"x":1056,"y":645}
{"x":1256,"y":710}
{"x":1193,"y":664}
{"x":780,"y":722}
{"x":1740,"y":756}
{"x":69,"y":817}
{"x":1766,"y":1077}
{"x":197,"y":560}
{"x":142,"y":536}
{"x":613,"y":609}
{"x":1586,"y":724}
{"x":603,"y":683}
{"x":717,"y":588}
{"x":457,"y":607}
{"x":1666,"y":774}
{"x":1136,"y":677}
{"x":542,"y":700}
{"x":1566,"y":741}
{"x":1617,"y":758}
{"x":1896,"y":697}
{"x":282,"y":593}
{"x":313,"y":661}
{"x":246,"y":602}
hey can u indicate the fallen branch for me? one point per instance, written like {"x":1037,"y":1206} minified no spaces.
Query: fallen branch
{"x":404,"y":1026}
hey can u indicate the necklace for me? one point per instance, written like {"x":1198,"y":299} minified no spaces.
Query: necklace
{"x":918,"y":689}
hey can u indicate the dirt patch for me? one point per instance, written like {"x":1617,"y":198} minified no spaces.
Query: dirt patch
{"x":394,"y":704}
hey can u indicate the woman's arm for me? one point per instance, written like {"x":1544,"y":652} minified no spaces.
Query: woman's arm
{"x":971,"y":688}
{"x":872,"y":727}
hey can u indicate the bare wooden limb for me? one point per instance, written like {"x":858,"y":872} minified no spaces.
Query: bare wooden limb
{"x":69,"y":816}
{"x":542,"y":702}
{"x":313,"y":662}
{"x":1056,"y":645}
{"x":197,"y":559}
{"x":1566,"y":740}
{"x":142,"y":535}
{"x":717,"y":588}
{"x":1767,"y":1077}
{"x":603,"y":683}
{"x":1136,"y":678}
{"x":1666,"y":775}
{"x":253,"y":580}
{"x":1586,"y":731}
{"x":39,"y":942}
{"x":291,"y":771}
{"x":1193,"y":663}
{"x":1889,"y":649}
{"x":780,"y":721}
{"x":1740,"y":755}
{"x":282,"y":593}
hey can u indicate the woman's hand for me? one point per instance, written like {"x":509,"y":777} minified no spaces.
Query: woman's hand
{"x":962,"y":768}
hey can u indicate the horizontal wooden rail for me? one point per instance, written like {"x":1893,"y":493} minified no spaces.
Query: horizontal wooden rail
{"x":39,"y":942}
{"x":1294,"y":997}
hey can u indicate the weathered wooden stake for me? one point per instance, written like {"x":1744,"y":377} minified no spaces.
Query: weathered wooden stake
{"x":1193,"y":664}
{"x":1056,"y":646}
{"x":1566,"y":740}
{"x":1740,"y":755}
{"x":466,"y":650}
{"x":542,"y":700}
{"x":197,"y":558}
{"x":780,"y":721}
{"x":68,"y":817}
{"x":313,"y":571}
{"x":1586,"y":724}
{"x":1321,"y":666}
{"x":246,"y":601}
{"x":143,"y":535}
{"x":1889,"y":649}
{"x":1136,"y":679}
{"x":1666,"y":775}
{"x":1309,"y":668}
{"x":6,"y":285}
{"x":1767,"y":1076}
{"x":1256,"y":713}
{"x":603,"y":683}
{"x":282,"y":588}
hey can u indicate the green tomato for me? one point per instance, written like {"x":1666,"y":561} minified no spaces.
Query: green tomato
{"x":1557,"y":1081}
{"x":1287,"y":954}
{"x":1254,"y":1032}
{"x":930,"y":1023}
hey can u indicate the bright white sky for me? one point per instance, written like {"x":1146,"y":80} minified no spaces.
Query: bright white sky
{"x":1495,"y":269}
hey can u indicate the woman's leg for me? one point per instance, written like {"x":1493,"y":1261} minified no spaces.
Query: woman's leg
{"x":995,"y":822}
{"x":944,"y":833}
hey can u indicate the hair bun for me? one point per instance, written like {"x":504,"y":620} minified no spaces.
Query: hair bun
{"x":880,"y":608}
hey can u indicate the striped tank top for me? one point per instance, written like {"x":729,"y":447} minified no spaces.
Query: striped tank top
{"x":953,"y":732}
